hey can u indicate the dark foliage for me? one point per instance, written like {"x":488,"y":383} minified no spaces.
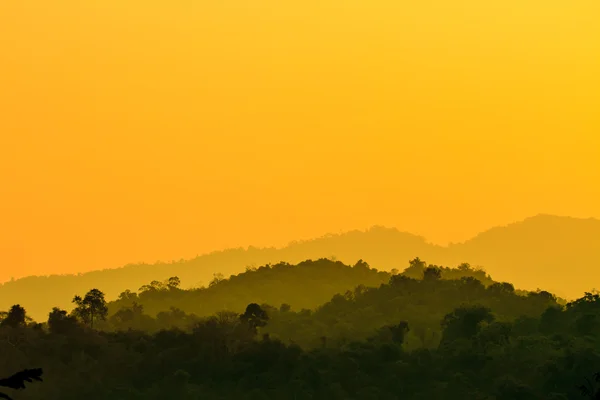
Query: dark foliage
{"x":17,"y":381}
{"x":420,"y":337}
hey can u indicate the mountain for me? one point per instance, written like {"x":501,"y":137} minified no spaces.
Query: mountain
{"x":559,"y":254}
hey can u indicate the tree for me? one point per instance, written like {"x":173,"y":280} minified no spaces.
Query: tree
{"x":173,"y":282}
{"x":496,"y":333}
{"x":399,"y":332}
{"x":464,"y":267}
{"x":154,"y":286}
{"x":61,"y":323}
{"x":128,"y":295}
{"x":175,"y":318}
{"x":589,"y":389}
{"x":217,"y":278}
{"x":471,"y":287}
{"x":17,"y":381}
{"x":360,"y":264}
{"x":91,"y":308}
{"x":432,"y":273}
{"x":415,"y":268}
{"x":254,"y":316}
{"x":503,"y":288}
{"x":15,"y":318}
{"x":543,"y":296}
{"x":400,"y":281}
{"x":127,"y":317}
{"x":285,"y":308}
{"x":465,"y":322}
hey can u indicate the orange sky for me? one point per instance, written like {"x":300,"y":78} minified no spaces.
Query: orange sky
{"x":143,"y":130}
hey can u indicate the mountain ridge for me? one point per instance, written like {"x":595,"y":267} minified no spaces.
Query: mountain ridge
{"x":532,"y":253}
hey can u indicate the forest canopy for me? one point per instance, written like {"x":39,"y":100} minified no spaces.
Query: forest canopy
{"x":318,"y":329}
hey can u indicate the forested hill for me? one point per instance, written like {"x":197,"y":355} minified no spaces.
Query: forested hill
{"x":306,"y":285}
{"x":426,"y":333}
{"x":323,"y":298}
{"x":536,"y":252}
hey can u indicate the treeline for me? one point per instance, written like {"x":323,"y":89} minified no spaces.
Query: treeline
{"x":306,"y":285}
{"x":310,"y":302}
{"x":411,"y":337}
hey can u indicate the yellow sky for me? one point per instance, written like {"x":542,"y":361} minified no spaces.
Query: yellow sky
{"x":143,"y":130}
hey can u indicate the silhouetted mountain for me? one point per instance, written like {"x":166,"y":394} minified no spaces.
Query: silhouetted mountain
{"x":533,"y":253}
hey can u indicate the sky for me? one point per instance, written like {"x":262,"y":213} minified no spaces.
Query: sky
{"x":151,"y":130}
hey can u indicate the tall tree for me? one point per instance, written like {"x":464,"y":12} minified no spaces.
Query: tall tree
{"x":91,"y":308}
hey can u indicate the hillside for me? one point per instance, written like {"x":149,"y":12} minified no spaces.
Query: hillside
{"x":306,"y":285}
{"x":428,"y":338}
{"x":532,"y":253}
{"x":559,"y":254}
{"x":326,"y":299}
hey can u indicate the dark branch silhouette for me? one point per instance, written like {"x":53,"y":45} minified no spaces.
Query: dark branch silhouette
{"x":17,"y":381}
{"x":589,"y":389}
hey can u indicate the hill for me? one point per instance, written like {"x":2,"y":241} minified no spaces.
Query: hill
{"x":325,"y":299}
{"x":428,"y":338}
{"x":306,"y":285}
{"x":559,"y":254}
{"x":533,"y":253}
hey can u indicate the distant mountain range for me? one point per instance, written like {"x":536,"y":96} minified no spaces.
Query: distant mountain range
{"x":558,"y":254}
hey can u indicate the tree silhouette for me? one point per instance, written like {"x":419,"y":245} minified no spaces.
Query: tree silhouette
{"x":173,"y":282}
{"x":399,"y":332}
{"x":589,"y":389}
{"x":501,"y":288}
{"x":218,"y":277}
{"x":285,"y":308}
{"x":92,"y":307}
{"x":360,"y":264}
{"x":415,"y":268}
{"x":254,"y":316}
{"x":60,"y":322}
{"x":465,"y":322}
{"x":17,"y":381}
{"x":432,"y":273}
{"x":16,"y":317}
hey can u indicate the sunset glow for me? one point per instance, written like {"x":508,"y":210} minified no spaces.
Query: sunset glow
{"x":152,"y":130}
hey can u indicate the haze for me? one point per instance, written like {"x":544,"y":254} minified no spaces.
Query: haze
{"x":151,"y":130}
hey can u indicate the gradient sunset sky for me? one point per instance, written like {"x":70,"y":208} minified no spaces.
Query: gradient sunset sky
{"x":138,"y":130}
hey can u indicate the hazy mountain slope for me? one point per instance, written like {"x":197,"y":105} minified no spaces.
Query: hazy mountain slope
{"x":383,"y":248}
{"x":533,"y":253}
{"x":559,"y":254}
